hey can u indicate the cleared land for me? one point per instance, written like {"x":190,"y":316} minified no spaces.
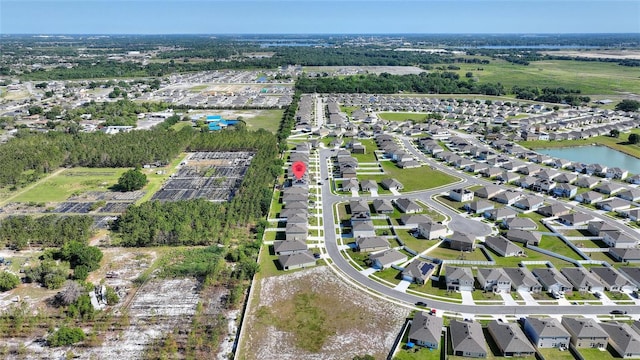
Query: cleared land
{"x":255,"y":119}
{"x":589,"y":77}
{"x":312,"y":315}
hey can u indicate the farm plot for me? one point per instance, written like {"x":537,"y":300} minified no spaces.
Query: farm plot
{"x":209,"y":175}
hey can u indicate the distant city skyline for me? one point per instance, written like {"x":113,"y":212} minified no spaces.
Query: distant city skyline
{"x":318,"y":17}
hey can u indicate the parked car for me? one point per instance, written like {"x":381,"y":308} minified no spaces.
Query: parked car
{"x":618,"y":312}
{"x":421,"y":303}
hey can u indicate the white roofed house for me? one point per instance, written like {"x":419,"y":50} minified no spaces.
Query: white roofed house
{"x":461,"y":195}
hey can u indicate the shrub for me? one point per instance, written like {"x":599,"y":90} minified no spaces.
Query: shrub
{"x":66,"y":336}
{"x":8,"y":281}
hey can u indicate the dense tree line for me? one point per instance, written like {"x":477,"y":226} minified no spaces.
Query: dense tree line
{"x":437,"y":82}
{"x":557,"y":95}
{"x":200,"y":222}
{"x":29,"y":155}
{"x":50,"y":230}
{"x":288,"y":121}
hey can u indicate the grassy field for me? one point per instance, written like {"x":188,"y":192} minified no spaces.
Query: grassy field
{"x":595,"y":354}
{"x":71,"y":181}
{"x":590,"y":77}
{"x":555,"y":354}
{"x":553,"y":243}
{"x":417,"y":178}
{"x":450,"y":254}
{"x":266,"y":119}
{"x":619,"y":143}
{"x":400,"y":116}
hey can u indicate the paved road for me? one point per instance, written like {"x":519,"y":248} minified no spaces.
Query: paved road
{"x":329,"y":200}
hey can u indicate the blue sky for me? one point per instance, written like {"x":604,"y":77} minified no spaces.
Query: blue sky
{"x":310,"y":17}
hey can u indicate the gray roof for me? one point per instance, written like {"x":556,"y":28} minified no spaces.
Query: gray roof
{"x":419,"y":269}
{"x":488,"y":191}
{"x":521,"y":277}
{"x":372,"y":242}
{"x":524,"y":236}
{"x":388,"y":256}
{"x":357,"y":206}
{"x":625,"y":339}
{"x":408,"y":204}
{"x":500,"y":243}
{"x":467,"y":336}
{"x":305,"y":257}
{"x":632,"y":273}
{"x":583,"y":327}
{"x":576,"y":218}
{"x":369,"y":184}
{"x":382,"y":205}
{"x":461,"y":237}
{"x":521,"y":223}
{"x":414,"y":219}
{"x":551,"y":276}
{"x":580,"y":277}
{"x":289,"y":245}
{"x":387,"y":183}
{"x":609,"y":276}
{"x":458,"y":273}
{"x":547,"y":327}
{"x":426,"y":327}
{"x":493,"y":275}
{"x":510,"y":338}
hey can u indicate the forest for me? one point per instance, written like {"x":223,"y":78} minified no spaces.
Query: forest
{"x":423,"y":83}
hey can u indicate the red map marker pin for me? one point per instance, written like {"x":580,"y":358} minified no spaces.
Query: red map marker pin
{"x":298,"y":169}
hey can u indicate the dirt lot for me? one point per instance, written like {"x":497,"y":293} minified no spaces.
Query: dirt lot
{"x":594,"y":54}
{"x":311,"y":314}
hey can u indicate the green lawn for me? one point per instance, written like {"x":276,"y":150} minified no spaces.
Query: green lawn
{"x":590,"y":77}
{"x":348,"y":109}
{"x":458,"y":206}
{"x":619,"y":143}
{"x":412,"y":179}
{"x":414,"y":244}
{"x":449,"y":254}
{"x":433,"y":288}
{"x":553,"y":243}
{"x":594,"y":244}
{"x":265,"y":119}
{"x":530,"y":256}
{"x":391,"y":275}
{"x":595,"y":354}
{"x":72,"y":181}
{"x":402,"y":116}
{"x":555,"y":354}
{"x":181,"y":124}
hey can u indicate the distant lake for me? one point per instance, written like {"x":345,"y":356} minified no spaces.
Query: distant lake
{"x":595,"y":154}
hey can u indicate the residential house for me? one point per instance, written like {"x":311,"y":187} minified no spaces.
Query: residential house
{"x":478,"y":206}
{"x":618,"y":239}
{"x":616,"y":173}
{"x":631,"y":255}
{"x":461,"y":195}
{"x":510,"y":339}
{"x":609,"y":188}
{"x":502,"y":246}
{"x":387,"y":258}
{"x":414,"y":219}
{"x":529,"y":202}
{"x":631,"y":194}
{"x":612,"y":279}
{"x":458,"y":278}
{"x":425,"y":330}
{"x":494,"y":280}
{"x":523,"y":280}
{"x":589,"y":197}
{"x":359,"y":208}
{"x":509,"y":177}
{"x":582,"y":280}
{"x":566,"y":178}
{"x":297,"y":261}
{"x":632,"y":273}
{"x":382,"y":206}
{"x":565,"y":190}
{"x":546,"y":333}
{"x":488,"y":191}
{"x":408,"y":206}
{"x":597,"y":228}
{"x":524,"y":236}
{"x":430,"y":230}
{"x":575,"y":219}
{"x":369,"y":185}
{"x":614,"y":204}
{"x":500,"y":214}
{"x":461,"y":241}
{"x":553,"y":210}
{"x":623,"y":339}
{"x":287,"y":247}
{"x":391,"y":184}
{"x":552,"y":281}
{"x":371,"y":244}
{"x":418,"y":271}
{"x":518,"y":223}
{"x":543,"y":185}
{"x":467,"y":339}
{"x":587,"y":182}
{"x":363,"y":229}
{"x":635,"y":179}
{"x":585,"y":333}
{"x":296,"y":232}
{"x":350,"y":184}
{"x":632,"y":214}
{"x":507,"y":197}
{"x":491,"y":172}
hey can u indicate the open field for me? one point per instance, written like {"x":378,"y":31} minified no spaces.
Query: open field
{"x":619,"y":144}
{"x":400,"y":116}
{"x":597,"y":54}
{"x":417,"y":178}
{"x":312,"y":315}
{"x":255,"y":119}
{"x":72,"y":181}
{"x":590,"y":77}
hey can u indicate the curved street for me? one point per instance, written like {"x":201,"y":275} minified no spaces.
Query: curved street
{"x":339,"y":263}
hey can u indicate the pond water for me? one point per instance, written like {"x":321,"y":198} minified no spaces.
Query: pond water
{"x":595,"y":154}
